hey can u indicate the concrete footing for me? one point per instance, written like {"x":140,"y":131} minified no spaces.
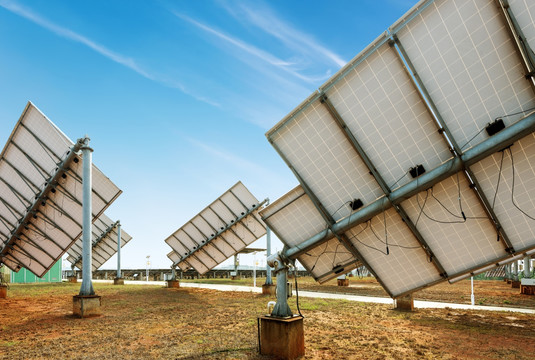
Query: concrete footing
{"x":515,"y":284}
{"x":527,"y":286}
{"x":86,"y":305}
{"x":118,"y":281}
{"x":282,"y":338}
{"x":3,"y":291}
{"x":404,"y":303}
{"x":173,"y":283}
{"x":72,"y":279}
{"x":269,"y":289}
{"x":343,"y":282}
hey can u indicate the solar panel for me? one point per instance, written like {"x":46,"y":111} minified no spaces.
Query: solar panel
{"x":41,"y":193}
{"x":400,"y":131}
{"x":222,"y":229}
{"x":104,"y":240}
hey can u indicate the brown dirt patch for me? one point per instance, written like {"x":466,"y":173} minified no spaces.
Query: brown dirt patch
{"x":148,"y":322}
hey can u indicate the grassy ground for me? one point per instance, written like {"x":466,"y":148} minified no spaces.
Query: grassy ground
{"x":487,"y":292}
{"x":151,"y":322}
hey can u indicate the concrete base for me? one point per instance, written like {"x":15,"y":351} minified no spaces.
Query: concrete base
{"x":3,"y":291}
{"x":118,"y":281}
{"x":86,"y":305}
{"x":269,"y":289}
{"x":509,"y":281}
{"x":527,"y":286}
{"x":72,"y":279}
{"x":404,"y":303}
{"x":343,"y":282}
{"x":515,"y":284}
{"x":282,"y":338}
{"x":173,"y":283}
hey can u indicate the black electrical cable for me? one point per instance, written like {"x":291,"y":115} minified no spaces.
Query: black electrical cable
{"x":297,"y":296}
{"x":459,"y":197}
{"x":513,"y":187}
{"x":499,"y":178}
{"x":422,"y":211}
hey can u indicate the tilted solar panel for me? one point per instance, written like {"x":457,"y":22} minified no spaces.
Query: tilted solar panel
{"x":221,"y":230}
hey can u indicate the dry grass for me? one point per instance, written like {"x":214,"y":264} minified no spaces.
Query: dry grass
{"x":150,"y":322}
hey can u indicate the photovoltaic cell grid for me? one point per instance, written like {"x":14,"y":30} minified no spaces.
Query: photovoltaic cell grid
{"x":471,"y":70}
{"x":294,"y":217}
{"x":221,"y":230}
{"x":32,"y":153}
{"x":519,"y":227}
{"x":468,"y":63}
{"x":387,"y":116}
{"x":104,"y":240}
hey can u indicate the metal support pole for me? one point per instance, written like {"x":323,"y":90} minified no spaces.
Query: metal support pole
{"x":507,"y":268}
{"x":254,"y":269}
{"x":515,"y":270}
{"x":87,"y":248}
{"x":269,"y":281}
{"x":526,"y":267}
{"x":472,"y":297}
{"x":118,"y":250}
{"x":236,"y":265}
{"x":281,"y":308}
{"x":173,"y":272}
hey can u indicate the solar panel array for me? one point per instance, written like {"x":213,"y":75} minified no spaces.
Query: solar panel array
{"x":419,"y":96}
{"x":104,"y":240}
{"x":41,"y":194}
{"x":221,"y":230}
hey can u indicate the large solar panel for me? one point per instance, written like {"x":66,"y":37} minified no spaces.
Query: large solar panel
{"x":222,"y":229}
{"x":104,"y":240}
{"x":41,"y":194}
{"x":413,"y":102}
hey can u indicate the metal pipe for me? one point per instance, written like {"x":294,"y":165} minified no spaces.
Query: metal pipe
{"x":87,"y":284}
{"x":118,"y":250}
{"x":269,"y":281}
{"x":281,"y":308}
{"x":527,"y":272}
{"x":480,"y":151}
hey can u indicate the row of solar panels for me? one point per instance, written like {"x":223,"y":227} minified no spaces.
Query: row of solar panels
{"x":41,"y":199}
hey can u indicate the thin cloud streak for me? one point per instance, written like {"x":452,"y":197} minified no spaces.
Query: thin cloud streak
{"x":231,"y":158}
{"x":251,"y":49}
{"x":293,"y":38}
{"x":102,"y":50}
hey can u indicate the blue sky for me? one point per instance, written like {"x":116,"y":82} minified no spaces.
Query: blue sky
{"x":177,"y":95}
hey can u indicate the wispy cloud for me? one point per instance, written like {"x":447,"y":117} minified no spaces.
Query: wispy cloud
{"x":265,"y":19}
{"x":102,"y":50}
{"x":253,"y":50}
{"x":233,"y":159}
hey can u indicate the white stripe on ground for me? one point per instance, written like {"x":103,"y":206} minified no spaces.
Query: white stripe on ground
{"x":312,"y":294}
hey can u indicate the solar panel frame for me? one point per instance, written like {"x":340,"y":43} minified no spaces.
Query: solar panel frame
{"x":34,"y":157}
{"x":222,"y":229}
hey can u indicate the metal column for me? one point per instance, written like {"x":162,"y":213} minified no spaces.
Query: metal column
{"x":87,"y":284}
{"x":269,"y":281}
{"x":118,"y":250}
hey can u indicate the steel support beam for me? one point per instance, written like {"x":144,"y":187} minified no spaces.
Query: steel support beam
{"x":482,"y":150}
{"x":87,"y":271}
{"x":119,"y":275}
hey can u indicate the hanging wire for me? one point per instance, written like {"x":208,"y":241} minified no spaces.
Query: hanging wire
{"x":297,"y":293}
{"x":499,"y":178}
{"x":513,"y":187}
